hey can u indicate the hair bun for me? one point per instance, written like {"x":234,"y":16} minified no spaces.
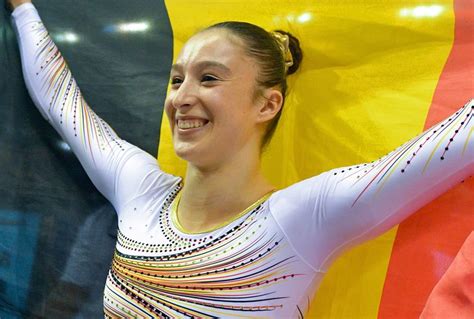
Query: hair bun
{"x":296,"y":52}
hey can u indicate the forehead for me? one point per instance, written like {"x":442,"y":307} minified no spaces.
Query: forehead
{"x":217,"y":46}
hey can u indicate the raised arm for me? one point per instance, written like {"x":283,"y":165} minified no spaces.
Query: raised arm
{"x":324,"y":215}
{"x":117,"y":168}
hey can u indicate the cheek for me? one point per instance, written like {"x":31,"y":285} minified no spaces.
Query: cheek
{"x":169,"y":109}
{"x":234,"y":124}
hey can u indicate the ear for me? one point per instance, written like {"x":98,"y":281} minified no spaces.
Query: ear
{"x":270,"y":105}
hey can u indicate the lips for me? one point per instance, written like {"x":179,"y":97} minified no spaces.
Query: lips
{"x":191,"y":123}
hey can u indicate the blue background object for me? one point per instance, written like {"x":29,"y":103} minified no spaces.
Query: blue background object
{"x":17,"y":247}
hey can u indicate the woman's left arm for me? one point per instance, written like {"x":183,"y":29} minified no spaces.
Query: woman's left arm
{"x":346,"y":206}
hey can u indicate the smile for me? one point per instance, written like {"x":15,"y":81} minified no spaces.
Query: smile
{"x":187,"y":124}
{"x":190,"y":125}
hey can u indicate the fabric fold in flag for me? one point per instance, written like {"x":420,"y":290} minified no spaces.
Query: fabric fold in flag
{"x":453,"y":296}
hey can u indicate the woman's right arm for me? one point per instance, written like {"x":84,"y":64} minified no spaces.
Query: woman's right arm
{"x":346,"y":206}
{"x":117,"y":168}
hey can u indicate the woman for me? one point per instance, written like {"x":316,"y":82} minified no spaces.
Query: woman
{"x":225,"y":243}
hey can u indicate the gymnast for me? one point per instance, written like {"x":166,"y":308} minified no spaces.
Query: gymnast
{"x":223,"y":241}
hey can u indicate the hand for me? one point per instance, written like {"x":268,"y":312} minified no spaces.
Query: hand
{"x":12,"y":4}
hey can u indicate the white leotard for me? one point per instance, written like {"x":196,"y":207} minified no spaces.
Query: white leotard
{"x":268,"y":262}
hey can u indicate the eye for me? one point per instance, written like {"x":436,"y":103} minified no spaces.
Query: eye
{"x":176,"y":80}
{"x":208,"y":78}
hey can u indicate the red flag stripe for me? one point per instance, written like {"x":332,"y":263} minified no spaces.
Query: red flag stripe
{"x":427,"y":242}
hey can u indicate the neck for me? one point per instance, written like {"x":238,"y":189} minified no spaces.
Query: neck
{"x":212,"y":196}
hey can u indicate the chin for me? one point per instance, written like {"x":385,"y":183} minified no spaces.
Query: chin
{"x":187,"y":151}
{"x":196,"y":156}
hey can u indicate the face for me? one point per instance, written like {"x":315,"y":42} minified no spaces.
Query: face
{"x":211,"y":104}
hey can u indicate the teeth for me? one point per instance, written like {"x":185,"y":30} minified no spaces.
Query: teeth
{"x":185,"y":124}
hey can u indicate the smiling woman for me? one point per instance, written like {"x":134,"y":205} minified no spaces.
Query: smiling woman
{"x":227,"y":92}
{"x":222,"y":242}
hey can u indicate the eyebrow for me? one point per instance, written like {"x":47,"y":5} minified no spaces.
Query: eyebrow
{"x":202,"y":65}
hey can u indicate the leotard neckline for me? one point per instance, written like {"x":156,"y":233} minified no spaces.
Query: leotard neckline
{"x":175,"y":221}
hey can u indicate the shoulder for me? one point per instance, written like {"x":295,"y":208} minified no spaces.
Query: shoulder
{"x":300,"y":195}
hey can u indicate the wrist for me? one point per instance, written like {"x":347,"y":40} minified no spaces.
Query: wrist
{"x":16,"y":3}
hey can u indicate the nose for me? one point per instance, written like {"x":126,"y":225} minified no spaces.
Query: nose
{"x":185,"y":95}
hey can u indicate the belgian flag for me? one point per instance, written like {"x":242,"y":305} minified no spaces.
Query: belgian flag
{"x":374,"y":74}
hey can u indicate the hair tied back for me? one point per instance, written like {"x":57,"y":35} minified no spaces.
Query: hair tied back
{"x":284,"y":43}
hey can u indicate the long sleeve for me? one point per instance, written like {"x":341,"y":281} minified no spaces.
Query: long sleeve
{"x":118,"y":169}
{"x":326,"y":214}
